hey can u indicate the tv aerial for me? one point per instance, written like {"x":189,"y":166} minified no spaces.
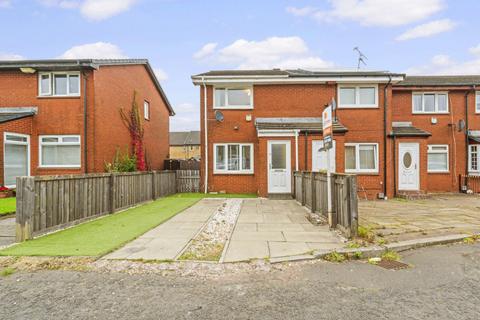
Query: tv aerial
{"x":361,"y":57}
{"x":219,"y":116}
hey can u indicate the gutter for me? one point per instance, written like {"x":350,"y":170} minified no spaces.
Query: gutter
{"x":385,"y":133}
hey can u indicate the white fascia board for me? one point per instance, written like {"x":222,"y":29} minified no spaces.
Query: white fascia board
{"x":284,"y":80}
{"x":276,"y":133}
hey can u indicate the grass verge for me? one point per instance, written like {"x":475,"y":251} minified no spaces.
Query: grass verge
{"x":101,"y":236}
{"x":7,"y":205}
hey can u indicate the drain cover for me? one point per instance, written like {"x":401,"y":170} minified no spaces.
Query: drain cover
{"x":392,"y":265}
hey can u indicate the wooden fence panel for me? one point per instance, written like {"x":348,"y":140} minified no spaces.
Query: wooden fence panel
{"x":188,"y":181}
{"x":470,"y":182}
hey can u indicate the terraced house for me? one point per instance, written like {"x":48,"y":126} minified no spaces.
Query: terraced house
{"x":399,"y":134}
{"x":62,"y":116}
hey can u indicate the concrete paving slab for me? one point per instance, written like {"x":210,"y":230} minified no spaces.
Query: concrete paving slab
{"x":246,"y":250}
{"x":160,"y":249}
{"x":306,"y":236}
{"x":298,"y":218}
{"x":170,"y":233}
{"x":324,"y":245}
{"x":283,"y":249}
{"x":250,"y":218}
{"x":279,"y":227}
{"x":276,"y":218}
{"x":246,"y":227}
{"x":263,"y":236}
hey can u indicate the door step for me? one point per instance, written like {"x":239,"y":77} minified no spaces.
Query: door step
{"x":413,"y":195}
{"x":280,"y":196}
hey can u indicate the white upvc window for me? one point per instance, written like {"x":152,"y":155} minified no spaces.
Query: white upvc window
{"x":235,"y":158}
{"x":358,"y":96}
{"x":16,"y":157}
{"x":59,"y":151}
{"x":361,"y":157}
{"x":59,"y":84}
{"x":438,"y":158}
{"x":233,"y":98}
{"x":146,"y":110}
{"x":477,"y":102}
{"x":430,"y":102}
{"x":474,"y":158}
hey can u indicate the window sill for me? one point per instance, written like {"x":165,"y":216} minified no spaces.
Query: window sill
{"x":439,"y":172}
{"x":430,"y":113}
{"x":234,"y":108}
{"x":59,"y":168}
{"x":59,"y":97}
{"x":232,"y":172}
{"x":359,"y":107}
{"x":363,"y":173}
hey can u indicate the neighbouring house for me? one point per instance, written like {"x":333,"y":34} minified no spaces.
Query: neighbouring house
{"x":185,"y":145}
{"x":63,"y":116}
{"x":398,"y":134}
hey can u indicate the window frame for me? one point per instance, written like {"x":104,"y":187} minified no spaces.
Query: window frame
{"x":477,"y":101}
{"x":470,"y":158}
{"x":357,"y":105}
{"x":431,"y":151}
{"x":226,"y":171}
{"x":146,"y":110}
{"x":357,"y":157}
{"x":27,"y":143}
{"x":436,"y":94}
{"x":60,"y":137}
{"x":51,"y":93}
{"x":233,"y":107}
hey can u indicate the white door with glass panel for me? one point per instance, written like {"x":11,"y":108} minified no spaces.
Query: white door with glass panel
{"x":319,"y":157}
{"x":408,"y":166}
{"x":16,"y":157}
{"x":279,"y":167}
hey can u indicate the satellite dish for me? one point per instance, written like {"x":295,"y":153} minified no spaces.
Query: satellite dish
{"x":461,"y":125}
{"x":219,"y":116}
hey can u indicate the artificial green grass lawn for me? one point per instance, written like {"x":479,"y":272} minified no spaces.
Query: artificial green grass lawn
{"x":7,"y":205}
{"x":101,"y":236}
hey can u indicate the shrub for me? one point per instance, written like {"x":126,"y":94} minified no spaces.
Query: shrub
{"x":121,"y":163}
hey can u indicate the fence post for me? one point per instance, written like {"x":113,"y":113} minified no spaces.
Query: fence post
{"x":25,"y":208}
{"x":154,"y":185}
{"x":303,"y":189}
{"x":314,"y":196}
{"x":334,"y":200}
{"x":112,"y":192}
{"x":353,"y":205}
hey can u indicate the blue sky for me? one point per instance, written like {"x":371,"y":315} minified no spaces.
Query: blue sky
{"x":185,"y":37}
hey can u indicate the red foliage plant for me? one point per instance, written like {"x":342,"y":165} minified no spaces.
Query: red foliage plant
{"x":4,"y":189}
{"x":133,"y":122}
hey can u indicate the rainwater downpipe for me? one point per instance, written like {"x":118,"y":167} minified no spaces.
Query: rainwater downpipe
{"x":467,"y":140}
{"x":85,"y":125}
{"x":385,"y":133}
{"x":205,"y":124}
{"x":296,"y":150}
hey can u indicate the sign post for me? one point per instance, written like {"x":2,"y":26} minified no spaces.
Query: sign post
{"x":327,"y":130}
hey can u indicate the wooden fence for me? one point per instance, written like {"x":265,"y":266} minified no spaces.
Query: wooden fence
{"x":310,"y":189}
{"x":188,"y":181}
{"x":48,"y":203}
{"x":470,"y":182}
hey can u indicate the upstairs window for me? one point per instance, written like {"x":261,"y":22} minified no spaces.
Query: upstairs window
{"x":59,"y":84}
{"x":430,"y":103}
{"x":233,"y":98}
{"x":365,"y":96}
{"x":477,"y":102}
{"x":146,"y":110}
{"x":437,"y":158}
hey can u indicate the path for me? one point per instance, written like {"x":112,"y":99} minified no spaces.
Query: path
{"x":7,"y":231}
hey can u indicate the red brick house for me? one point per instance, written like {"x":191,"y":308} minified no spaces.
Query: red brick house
{"x":62,"y":116}
{"x":261,"y":125}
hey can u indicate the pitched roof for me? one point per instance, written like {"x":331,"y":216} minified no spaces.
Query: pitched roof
{"x":185,"y":138}
{"x":406,"y":129}
{"x":295,"y":73}
{"x":303,"y":124}
{"x":79,"y":64}
{"x":11,"y":114}
{"x":465,"y":80}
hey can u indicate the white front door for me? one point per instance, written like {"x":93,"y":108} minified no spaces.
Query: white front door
{"x":279,"y":167}
{"x":408,"y":166}
{"x":16,"y":157}
{"x":319,"y":158}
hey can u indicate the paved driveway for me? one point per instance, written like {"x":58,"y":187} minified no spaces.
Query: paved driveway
{"x":264,"y":229}
{"x":399,"y":219}
{"x":7,"y":231}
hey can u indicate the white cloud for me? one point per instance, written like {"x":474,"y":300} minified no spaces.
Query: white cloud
{"x":160,"y":74}
{"x":445,"y":65}
{"x":427,"y":29}
{"x":98,"y":50}
{"x":301,"y":12}
{"x":5,"y":3}
{"x":205,"y":51}
{"x":187,"y":117}
{"x":280,"y":52}
{"x":10,"y":56}
{"x":385,"y":13}
{"x":95,"y":10}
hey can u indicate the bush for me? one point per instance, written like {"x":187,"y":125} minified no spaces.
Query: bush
{"x":122,"y":163}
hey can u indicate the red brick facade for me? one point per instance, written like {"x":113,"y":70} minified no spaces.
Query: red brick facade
{"x":365,"y":125}
{"x":108,"y":88}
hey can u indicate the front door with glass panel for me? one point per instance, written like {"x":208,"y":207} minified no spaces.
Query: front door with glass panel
{"x":279,"y":167}
{"x":408,"y":167}
{"x":16,"y":157}
{"x":319,"y":156}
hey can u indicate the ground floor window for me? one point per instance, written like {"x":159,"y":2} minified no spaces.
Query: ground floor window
{"x":438,"y":158}
{"x":16,"y":157}
{"x":361,"y":157}
{"x":233,"y":158}
{"x":474,"y":158}
{"x":60,"y":151}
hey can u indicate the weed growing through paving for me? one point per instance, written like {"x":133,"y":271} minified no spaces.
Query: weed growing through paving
{"x":353,"y":245}
{"x":366,"y":233}
{"x":390,"y":255}
{"x":7,"y":272}
{"x":335,"y":257}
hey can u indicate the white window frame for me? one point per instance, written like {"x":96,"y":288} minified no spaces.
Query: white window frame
{"x":430,"y":151}
{"x":226,"y":171}
{"x":146,"y":110}
{"x":470,"y":157}
{"x":357,"y":96}
{"x":60,"y":137}
{"x":477,"y":101}
{"x":357,"y":157}
{"x":5,"y":142}
{"x":436,"y":93}
{"x":234,"y":107}
{"x":51,"y":92}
